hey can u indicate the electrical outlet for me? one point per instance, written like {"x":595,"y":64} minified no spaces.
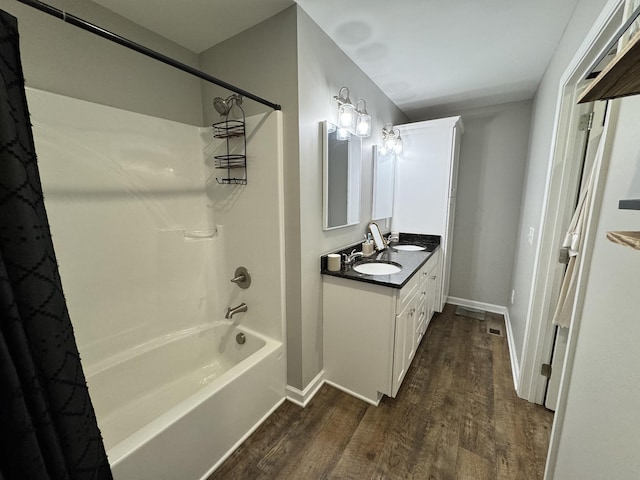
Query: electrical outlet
{"x":513,"y":296}
{"x":532,"y":232}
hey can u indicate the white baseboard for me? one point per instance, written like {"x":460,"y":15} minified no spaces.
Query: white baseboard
{"x":303,"y":397}
{"x":489,"y":307}
{"x":354,"y":394}
{"x":515,"y":364}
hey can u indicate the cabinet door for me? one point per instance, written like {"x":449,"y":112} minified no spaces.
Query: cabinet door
{"x":446,"y":246}
{"x":425,"y":304}
{"x":432,"y":296}
{"x":404,"y":345}
{"x":431,"y":289}
{"x":421,"y":322}
{"x":422,"y":179}
{"x":455,"y":157}
{"x":399,"y":349}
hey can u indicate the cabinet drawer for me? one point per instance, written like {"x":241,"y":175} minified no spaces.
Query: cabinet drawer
{"x":405,"y":295}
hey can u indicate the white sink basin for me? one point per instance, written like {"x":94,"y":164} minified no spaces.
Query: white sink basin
{"x":410,"y":248}
{"x":377,"y":268}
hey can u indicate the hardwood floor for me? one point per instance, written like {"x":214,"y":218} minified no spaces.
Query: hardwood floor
{"x":456,"y":416}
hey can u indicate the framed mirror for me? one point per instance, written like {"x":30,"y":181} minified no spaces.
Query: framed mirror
{"x":378,"y":239}
{"x":384,"y":171}
{"x":341,"y":164}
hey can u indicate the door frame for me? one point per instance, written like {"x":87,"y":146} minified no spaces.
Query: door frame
{"x":539,"y":330}
{"x":587,"y":142}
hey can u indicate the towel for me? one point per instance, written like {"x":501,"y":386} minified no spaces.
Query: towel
{"x":574,"y":241}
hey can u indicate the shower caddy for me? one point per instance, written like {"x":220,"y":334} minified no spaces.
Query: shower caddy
{"x":233,"y":131}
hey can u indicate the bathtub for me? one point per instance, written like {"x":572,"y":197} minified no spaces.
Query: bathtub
{"x":176,"y":407}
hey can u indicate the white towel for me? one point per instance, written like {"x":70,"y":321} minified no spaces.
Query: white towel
{"x":574,"y":240}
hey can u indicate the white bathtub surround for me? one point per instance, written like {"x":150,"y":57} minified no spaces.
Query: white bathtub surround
{"x":207,"y":396}
{"x":147,"y":243}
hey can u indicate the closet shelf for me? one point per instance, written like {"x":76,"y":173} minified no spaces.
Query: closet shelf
{"x":628,"y":239}
{"x":620,"y":78}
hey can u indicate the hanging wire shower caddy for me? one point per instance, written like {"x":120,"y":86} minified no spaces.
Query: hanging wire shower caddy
{"x":234,"y":133}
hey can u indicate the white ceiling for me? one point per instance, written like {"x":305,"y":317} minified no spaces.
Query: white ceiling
{"x":422,"y":54}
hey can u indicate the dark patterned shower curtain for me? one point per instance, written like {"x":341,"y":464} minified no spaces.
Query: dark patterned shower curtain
{"x":48,"y":428}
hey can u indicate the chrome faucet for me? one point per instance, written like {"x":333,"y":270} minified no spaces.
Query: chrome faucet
{"x":232,"y":311}
{"x":351,"y":257}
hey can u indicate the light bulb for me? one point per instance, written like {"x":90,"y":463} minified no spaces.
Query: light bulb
{"x":390,"y":142}
{"x":346,"y":116}
{"x":397,"y":148}
{"x":363,"y":128}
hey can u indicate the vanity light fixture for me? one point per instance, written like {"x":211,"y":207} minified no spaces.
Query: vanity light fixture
{"x":351,"y":119}
{"x":346,"y":110}
{"x":391,"y":139}
{"x":363,"y":123}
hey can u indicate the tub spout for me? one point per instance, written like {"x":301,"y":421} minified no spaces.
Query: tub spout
{"x":232,"y":311}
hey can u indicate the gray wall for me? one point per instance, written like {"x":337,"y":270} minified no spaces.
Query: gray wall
{"x":289,"y":60}
{"x":64,"y":59}
{"x":322,"y":69}
{"x":263,"y":60}
{"x":490,"y":177}
{"x":539,"y":157}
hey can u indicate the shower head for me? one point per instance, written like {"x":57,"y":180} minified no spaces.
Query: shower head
{"x":223,"y":106}
{"x":220,"y":105}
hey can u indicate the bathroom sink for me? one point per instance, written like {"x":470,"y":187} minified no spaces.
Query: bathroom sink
{"x":377,"y":268}
{"x":409,"y":248}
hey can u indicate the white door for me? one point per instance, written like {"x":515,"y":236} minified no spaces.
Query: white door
{"x":589,"y":145}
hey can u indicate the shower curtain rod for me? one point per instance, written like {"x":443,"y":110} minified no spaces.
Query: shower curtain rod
{"x":96,"y":30}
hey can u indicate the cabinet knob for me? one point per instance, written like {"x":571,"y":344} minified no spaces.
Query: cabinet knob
{"x":433,"y":277}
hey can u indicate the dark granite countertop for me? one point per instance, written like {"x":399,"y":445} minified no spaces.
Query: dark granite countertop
{"x":411,"y":261}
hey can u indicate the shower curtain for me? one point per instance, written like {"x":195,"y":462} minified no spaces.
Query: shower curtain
{"x":48,"y":428}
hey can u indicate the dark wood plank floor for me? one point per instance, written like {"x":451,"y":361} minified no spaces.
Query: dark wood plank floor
{"x":456,"y":416}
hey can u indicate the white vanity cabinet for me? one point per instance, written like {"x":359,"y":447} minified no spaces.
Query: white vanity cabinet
{"x":371,"y":332}
{"x":426,"y":185}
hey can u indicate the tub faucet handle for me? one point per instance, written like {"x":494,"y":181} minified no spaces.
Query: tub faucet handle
{"x":241,"y":277}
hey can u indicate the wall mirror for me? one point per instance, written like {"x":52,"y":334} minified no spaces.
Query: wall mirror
{"x":341,"y":163}
{"x":384,"y":170}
